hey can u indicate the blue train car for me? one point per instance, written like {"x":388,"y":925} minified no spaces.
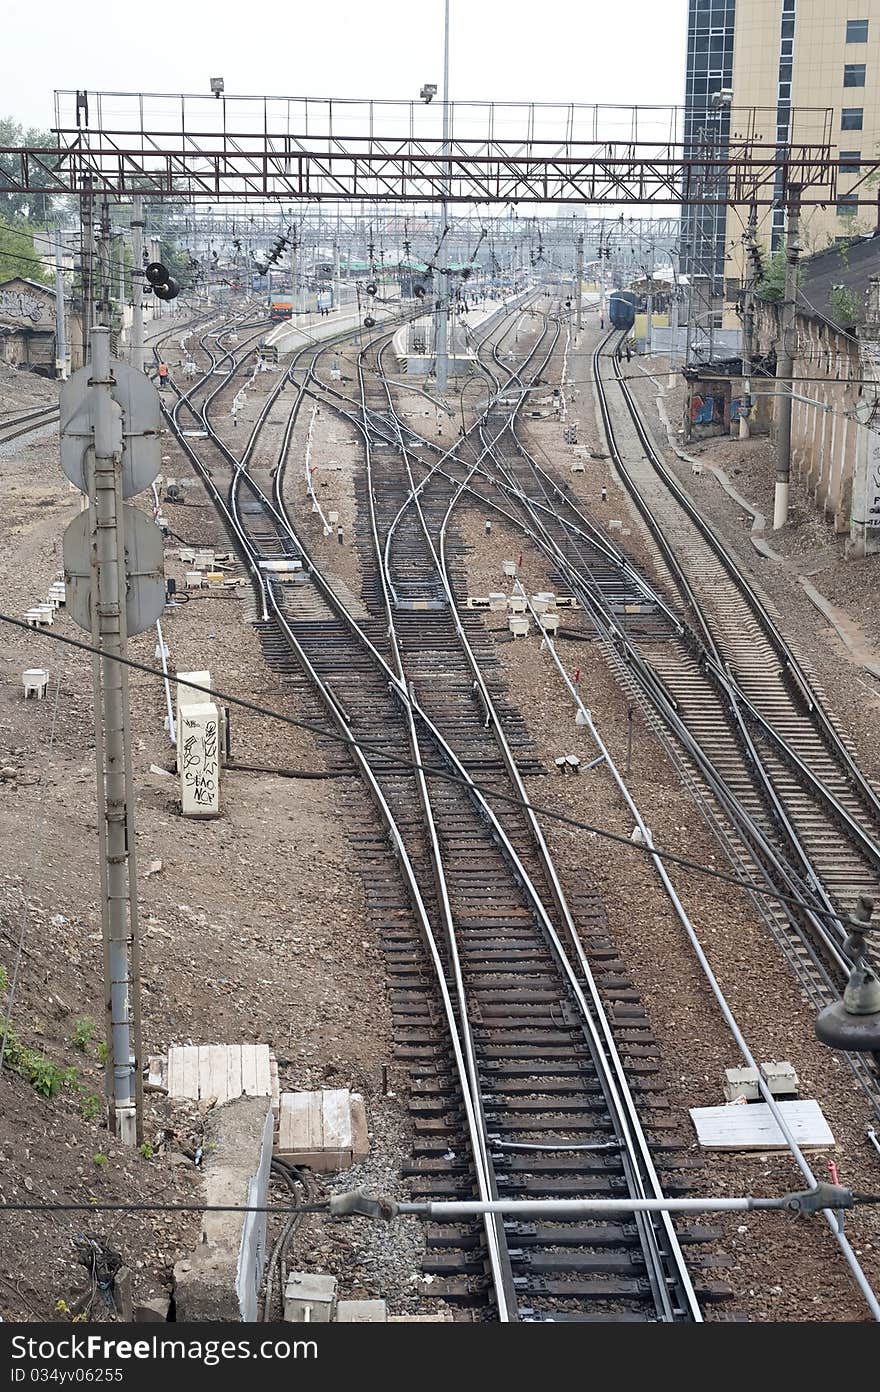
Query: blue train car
{"x":622,"y":309}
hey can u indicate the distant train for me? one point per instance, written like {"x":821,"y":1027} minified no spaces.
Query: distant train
{"x":280,"y":310}
{"x":622,"y":309}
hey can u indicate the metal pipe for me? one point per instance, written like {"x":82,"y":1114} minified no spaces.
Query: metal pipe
{"x":785,"y":362}
{"x":172,"y":727}
{"x":137,"y":284}
{"x":115,"y":844}
{"x":441,"y":347}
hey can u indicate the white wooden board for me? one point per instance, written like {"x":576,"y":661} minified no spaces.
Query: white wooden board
{"x":222,"y":1071}
{"x":752,"y":1126}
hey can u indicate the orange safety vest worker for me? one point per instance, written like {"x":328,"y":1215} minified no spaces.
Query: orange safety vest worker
{"x":163,"y":371}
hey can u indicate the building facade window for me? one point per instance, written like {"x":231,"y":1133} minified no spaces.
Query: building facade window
{"x":709,"y":70}
{"x":850,"y":161}
{"x":854,"y":74}
{"x":851,"y":118}
{"x":847,"y":205}
{"x":857,"y":31}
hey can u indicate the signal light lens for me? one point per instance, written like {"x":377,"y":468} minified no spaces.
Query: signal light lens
{"x":169,"y":291}
{"x":156,"y":273}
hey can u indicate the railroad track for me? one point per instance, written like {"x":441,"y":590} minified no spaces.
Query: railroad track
{"x":530,"y":1069}
{"x":789,"y":800}
{"x":27,"y":422}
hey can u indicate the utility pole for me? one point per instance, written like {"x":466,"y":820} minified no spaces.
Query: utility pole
{"x":579,"y":283}
{"x":60,"y":327}
{"x":748,"y":321}
{"x":785,"y":361}
{"x":104,"y":267}
{"x":110,"y":448}
{"x":137,"y":284}
{"x":87,"y":260}
{"x":649,"y":317}
{"x":442,"y":326}
{"x":117,"y":833}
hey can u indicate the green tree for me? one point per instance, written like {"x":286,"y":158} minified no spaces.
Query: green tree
{"x":36,"y":206}
{"x":844,"y":305}
{"x":772,"y":284}
{"x":17,"y":255}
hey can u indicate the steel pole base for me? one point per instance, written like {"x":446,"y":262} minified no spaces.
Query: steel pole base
{"x":780,"y":505}
{"x":126,"y":1124}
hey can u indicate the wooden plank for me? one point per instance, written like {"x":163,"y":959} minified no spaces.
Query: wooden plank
{"x":204,"y":1070}
{"x":336,"y":1115}
{"x":752,"y":1126}
{"x":275,"y":1091}
{"x":264,"y":1082}
{"x":233,"y":1071}
{"x":217,"y":1072}
{"x":190,"y":1071}
{"x":175,"y":1071}
{"x":249,"y":1069}
{"x":303,"y":1131}
{"x":285,"y":1122}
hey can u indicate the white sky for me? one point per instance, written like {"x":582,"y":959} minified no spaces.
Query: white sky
{"x":626,"y":51}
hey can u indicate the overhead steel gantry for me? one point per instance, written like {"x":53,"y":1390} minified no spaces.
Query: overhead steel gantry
{"x":323,"y":223}
{"x":198,"y":149}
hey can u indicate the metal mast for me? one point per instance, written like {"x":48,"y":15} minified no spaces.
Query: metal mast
{"x":442,"y":325}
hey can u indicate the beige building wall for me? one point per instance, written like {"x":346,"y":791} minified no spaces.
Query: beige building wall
{"x":820,"y":54}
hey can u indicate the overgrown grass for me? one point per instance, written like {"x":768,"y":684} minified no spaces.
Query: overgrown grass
{"x":44,"y":1076}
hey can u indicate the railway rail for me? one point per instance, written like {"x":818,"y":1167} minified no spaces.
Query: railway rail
{"x":785,"y":796}
{"x":529,"y":1059}
{"x":26,"y":422}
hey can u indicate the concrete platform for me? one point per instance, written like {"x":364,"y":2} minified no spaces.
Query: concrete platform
{"x":221,"y":1278}
{"x":324,"y":1130}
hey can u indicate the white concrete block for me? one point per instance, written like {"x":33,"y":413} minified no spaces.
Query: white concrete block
{"x":199,"y":760}
{"x":35,"y":681}
{"x":516,"y":604}
{"x":361,"y":1312}
{"x":497,"y":601}
{"x":309,"y":1298}
{"x":519,"y":625}
{"x":741,"y":1082}
{"x":548,"y":622}
{"x":543,"y":601}
{"x":510,"y":569}
{"x":781,"y":1078}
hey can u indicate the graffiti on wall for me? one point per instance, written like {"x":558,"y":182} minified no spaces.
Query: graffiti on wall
{"x":707,"y":410}
{"x":20,"y":305}
{"x":199,"y":762}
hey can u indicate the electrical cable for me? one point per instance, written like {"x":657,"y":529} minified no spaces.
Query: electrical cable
{"x":433,"y":771}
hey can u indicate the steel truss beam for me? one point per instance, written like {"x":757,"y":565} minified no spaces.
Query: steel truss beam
{"x":193,"y":148}
{"x":407,"y":171}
